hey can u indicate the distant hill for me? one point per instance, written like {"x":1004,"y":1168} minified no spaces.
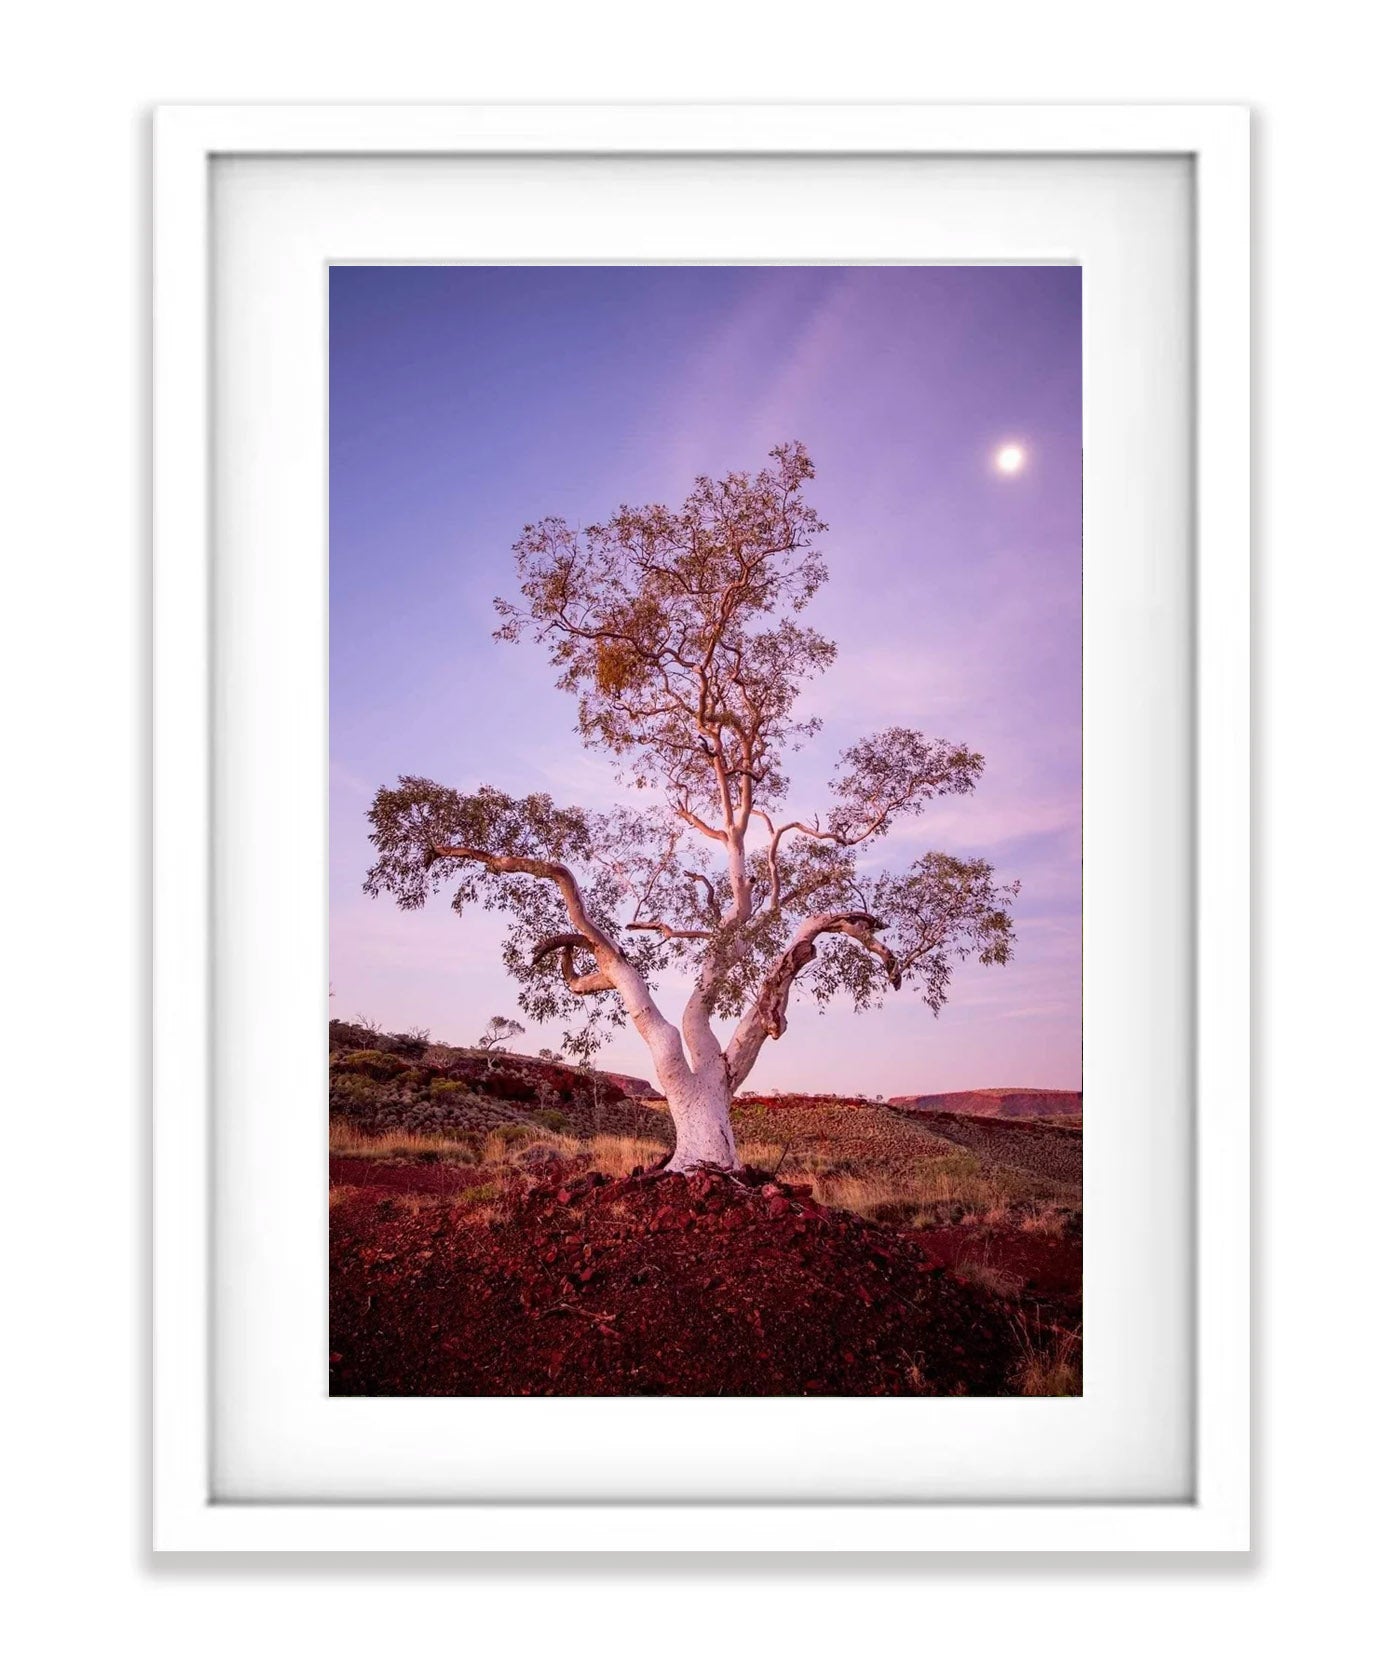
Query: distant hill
{"x":633,"y":1086}
{"x":999,"y":1103}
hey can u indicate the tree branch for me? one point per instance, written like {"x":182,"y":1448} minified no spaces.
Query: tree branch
{"x":567,"y":944}
{"x":767,"y":1016}
{"x":563,"y":878}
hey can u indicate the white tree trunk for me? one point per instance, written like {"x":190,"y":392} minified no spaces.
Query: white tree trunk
{"x":699,"y":1106}
{"x":698,"y":1094}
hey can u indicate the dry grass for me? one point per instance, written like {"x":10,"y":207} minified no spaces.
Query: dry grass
{"x":613,"y":1153}
{"x":1050,"y":1369}
{"x":414,"y":1201}
{"x":617,"y":1156}
{"x":608,"y":1152}
{"x":821,"y":1130}
{"x":423,"y":1147}
{"x":989,"y":1280}
{"x":878,"y":1163}
{"x":941,"y":1190}
{"x":1044,"y":1222}
{"x":499,"y":1148}
{"x":481,"y":1204}
{"x":921,"y":1383}
{"x":929,"y":1182}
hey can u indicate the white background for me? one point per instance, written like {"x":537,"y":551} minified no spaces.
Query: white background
{"x":276,"y":1434}
{"x":75,"y":310}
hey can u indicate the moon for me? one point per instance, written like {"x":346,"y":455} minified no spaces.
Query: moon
{"x":1010,"y":458}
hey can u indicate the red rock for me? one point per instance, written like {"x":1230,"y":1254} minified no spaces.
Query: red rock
{"x":778,"y":1206}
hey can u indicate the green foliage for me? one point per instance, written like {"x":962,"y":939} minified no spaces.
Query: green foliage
{"x":666,"y":624}
{"x":355,"y":1096}
{"x":374,"y":1064}
{"x":679,"y":632}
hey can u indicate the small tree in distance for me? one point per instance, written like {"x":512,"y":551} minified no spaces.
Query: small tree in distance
{"x":499,"y":1031}
{"x":679,"y":633}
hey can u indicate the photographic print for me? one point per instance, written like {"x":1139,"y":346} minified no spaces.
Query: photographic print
{"x":705,"y":815}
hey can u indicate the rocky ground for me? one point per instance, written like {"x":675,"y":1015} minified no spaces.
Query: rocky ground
{"x":498,"y":1226}
{"x":650,"y":1284}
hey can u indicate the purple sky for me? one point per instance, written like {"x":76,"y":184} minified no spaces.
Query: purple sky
{"x":466,"y":402}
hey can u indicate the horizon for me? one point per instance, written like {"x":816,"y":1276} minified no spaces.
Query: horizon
{"x":467,"y":402}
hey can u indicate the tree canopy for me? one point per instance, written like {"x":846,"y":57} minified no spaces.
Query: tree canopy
{"x":681,"y":634}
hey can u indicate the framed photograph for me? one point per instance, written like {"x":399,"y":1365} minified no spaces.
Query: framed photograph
{"x":701,"y":963}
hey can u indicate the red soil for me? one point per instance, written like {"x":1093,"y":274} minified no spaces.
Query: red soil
{"x":1049,"y":1270}
{"x":408,"y":1178}
{"x":647,"y":1285}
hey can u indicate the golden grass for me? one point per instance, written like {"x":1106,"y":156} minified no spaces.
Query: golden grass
{"x":618,"y":1155}
{"x":939,"y":1190}
{"x":613,"y":1153}
{"x":1052,"y":1370}
{"x":411,"y":1146}
{"x":1044,"y":1222}
{"x":500,"y":1147}
{"x":929,"y":1182}
{"x":415,"y":1201}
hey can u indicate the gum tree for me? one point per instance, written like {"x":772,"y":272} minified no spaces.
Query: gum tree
{"x":499,"y":1031}
{"x":680,"y":633}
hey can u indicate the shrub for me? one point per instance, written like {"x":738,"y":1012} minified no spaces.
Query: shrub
{"x":514,"y":1134}
{"x":354,"y":1095}
{"x":538,"y":1155}
{"x":373,"y":1064}
{"x":348,"y":1035}
{"x":412,"y":1045}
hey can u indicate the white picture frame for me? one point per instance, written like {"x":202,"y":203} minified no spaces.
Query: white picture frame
{"x":190,"y":141}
